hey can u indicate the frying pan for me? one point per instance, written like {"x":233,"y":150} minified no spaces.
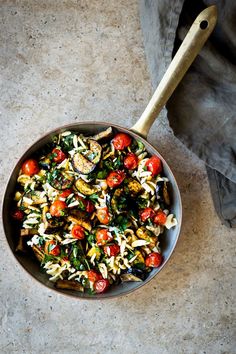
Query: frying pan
{"x":192,"y":44}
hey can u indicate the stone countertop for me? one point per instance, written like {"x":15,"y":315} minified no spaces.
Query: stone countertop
{"x":69,"y":61}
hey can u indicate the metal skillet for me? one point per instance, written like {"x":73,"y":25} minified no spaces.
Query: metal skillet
{"x":192,"y":44}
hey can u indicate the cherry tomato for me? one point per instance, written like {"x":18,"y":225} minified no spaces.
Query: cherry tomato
{"x":52,"y":248}
{"x":160,"y":218}
{"x":112,"y":250}
{"x":30,"y":167}
{"x":65,"y":193}
{"x":103,"y":236}
{"x":153,"y":260}
{"x":121,"y":141}
{"x":146,"y":214}
{"x":131,"y":161}
{"x":59,"y":155}
{"x":115,"y":178}
{"x":58,"y":208}
{"x":78,"y":232}
{"x":94,"y":276}
{"x":18,"y":215}
{"x":101,"y":286}
{"x":154,"y":165}
{"x":103,"y":215}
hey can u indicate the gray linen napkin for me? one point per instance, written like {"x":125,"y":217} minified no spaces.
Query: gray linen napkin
{"x":202,"y":110}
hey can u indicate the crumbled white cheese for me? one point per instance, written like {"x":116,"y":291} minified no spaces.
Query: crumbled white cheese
{"x":34,"y":240}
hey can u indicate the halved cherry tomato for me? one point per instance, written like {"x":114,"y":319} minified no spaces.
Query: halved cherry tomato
{"x":103,"y":215}
{"x":160,"y":218}
{"x":154,"y":260}
{"x":131,"y":161}
{"x":94,"y":276}
{"x":112,"y":250}
{"x":103,"y":236}
{"x":121,"y":141}
{"x":78,"y":232}
{"x":154,"y":165}
{"x":30,"y":167}
{"x":101,"y":286}
{"x":115,"y":178}
{"x":58,"y":208}
{"x":146,"y":214}
{"x":59,"y":155}
{"x":65,"y":193}
{"x":52,"y":248}
{"x":18,"y":215}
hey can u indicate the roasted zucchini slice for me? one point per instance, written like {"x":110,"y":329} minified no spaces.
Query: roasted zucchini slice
{"x":84,"y":188}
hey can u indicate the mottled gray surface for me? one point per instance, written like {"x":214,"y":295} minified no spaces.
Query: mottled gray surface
{"x":65,"y":61}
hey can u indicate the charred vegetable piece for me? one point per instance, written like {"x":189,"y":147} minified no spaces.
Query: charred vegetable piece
{"x":95,"y":152}
{"x":39,"y":254}
{"x":134,"y":187}
{"x":45,"y":163}
{"x":60,"y":179}
{"x":147,"y":235}
{"x":118,"y":201}
{"x":103,"y":135}
{"x":69,"y":284}
{"x":139,"y":273}
{"x":80,"y":218}
{"x":84,"y":188}
{"x":82,"y":165}
{"x":21,"y":246}
{"x":28,"y":232}
{"x":51,"y":224}
{"x":162,"y":192}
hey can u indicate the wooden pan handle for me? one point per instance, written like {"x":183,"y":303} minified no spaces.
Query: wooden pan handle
{"x":189,"y":49}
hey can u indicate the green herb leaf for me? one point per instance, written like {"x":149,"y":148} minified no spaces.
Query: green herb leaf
{"x":93,"y":198}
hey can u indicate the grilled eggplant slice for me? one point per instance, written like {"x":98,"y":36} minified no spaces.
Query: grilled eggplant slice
{"x":162,"y":192}
{"x":69,"y":285}
{"x":60,"y":179}
{"x":84,"y":188}
{"x":95,"y":152}
{"x":86,"y":163}
{"x":82,"y":165}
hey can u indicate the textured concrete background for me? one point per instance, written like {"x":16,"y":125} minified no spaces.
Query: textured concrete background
{"x":66,"y":61}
